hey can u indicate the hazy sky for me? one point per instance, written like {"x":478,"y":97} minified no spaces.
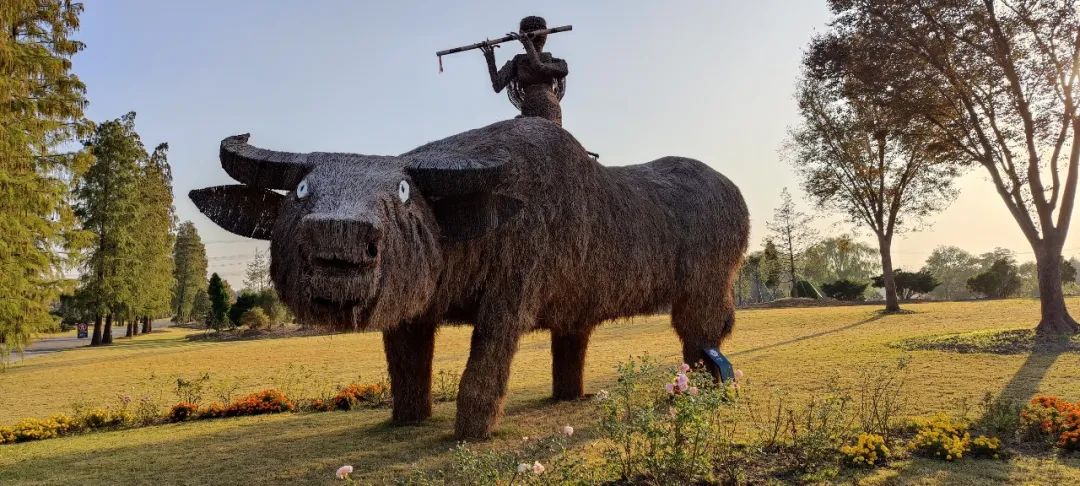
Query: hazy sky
{"x":712,"y":80}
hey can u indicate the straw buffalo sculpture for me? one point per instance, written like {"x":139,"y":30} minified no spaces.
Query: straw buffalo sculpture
{"x":511,"y":227}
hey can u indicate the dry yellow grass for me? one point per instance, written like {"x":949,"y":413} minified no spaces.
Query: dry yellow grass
{"x":796,"y":350}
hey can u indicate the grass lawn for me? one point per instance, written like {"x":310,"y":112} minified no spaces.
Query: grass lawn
{"x":794,"y":350}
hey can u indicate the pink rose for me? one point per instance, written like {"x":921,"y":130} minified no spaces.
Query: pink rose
{"x":684,"y":367}
{"x":670,"y":388}
{"x":343,"y":472}
{"x":693,"y":391}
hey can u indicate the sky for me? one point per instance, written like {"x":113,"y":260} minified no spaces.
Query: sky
{"x":711,"y":80}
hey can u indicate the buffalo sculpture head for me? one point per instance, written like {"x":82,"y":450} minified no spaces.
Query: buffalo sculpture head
{"x":357,"y":241}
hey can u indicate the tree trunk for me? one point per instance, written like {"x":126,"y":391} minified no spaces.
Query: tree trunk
{"x":129,"y":332}
{"x":885,"y":248}
{"x":146,"y":325}
{"x":1055,"y":318}
{"x":106,"y":332}
{"x":96,"y":339}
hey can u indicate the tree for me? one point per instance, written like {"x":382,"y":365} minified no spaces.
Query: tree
{"x":840,"y":258}
{"x":845,"y":290}
{"x":40,"y":114}
{"x":1068,"y":272}
{"x":953,"y":267}
{"x":858,"y":155}
{"x":997,"y":82}
{"x":109,"y":208}
{"x":1001,"y":280}
{"x":155,"y":239}
{"x":790,"y":229}
{"x":910,"y":284}
{"x":257,"y":275}
{"x":189,"y":273}
{"x":219,"y":302}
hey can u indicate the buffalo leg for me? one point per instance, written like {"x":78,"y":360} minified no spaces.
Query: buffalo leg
{"x":568,"y":364}
{"x":409,"y":350}
{"x":482,"y":391}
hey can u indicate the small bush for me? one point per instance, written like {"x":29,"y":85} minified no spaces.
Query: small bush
{"x":446,"y":386}
{"x":868,"y":450}
{"x":940,"y":437}
{"x":258,"y":403}
{"x":183,"y":411}
{"x":99,"y":418}
{"x":356,"y":394}
{"x":1000,"y":417}
{"x":255,"y":318}
{"x":986,"y":447}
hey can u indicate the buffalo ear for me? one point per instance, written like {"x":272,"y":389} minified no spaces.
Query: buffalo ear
{"x":468,"y":216}
{"x":243,"y":210}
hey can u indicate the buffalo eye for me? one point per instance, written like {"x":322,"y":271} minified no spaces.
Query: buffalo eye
{"x":302,"y":189}
{"x":403,"y":191}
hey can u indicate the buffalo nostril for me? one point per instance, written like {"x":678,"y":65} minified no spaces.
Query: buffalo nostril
{"x":372,"y":250}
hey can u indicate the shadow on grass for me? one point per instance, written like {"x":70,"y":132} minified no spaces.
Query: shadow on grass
{"x":284,"y":449}
{"x":874,"y":317}
{"x":1024,"y":384}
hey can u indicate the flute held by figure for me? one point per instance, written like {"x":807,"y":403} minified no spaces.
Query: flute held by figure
{"x":500,"y":40}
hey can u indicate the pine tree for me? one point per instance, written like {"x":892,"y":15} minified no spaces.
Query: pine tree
{"x":41,"y":109}
{"x":189,"y":273}
{"x":109,"y":207}
{"x":219,"y":302}
{"x":155,"y":239}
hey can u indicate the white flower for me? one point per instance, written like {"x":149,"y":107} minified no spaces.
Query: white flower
{"x":601,"y":395}
{"x":343,"y":472}
{"x":523,"y":467}
{"x":567,"y":430}
{"x":537,"y":467}
{"x":738,"y":374}
{"x":693,"y":390}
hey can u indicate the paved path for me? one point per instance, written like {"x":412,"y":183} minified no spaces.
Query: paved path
{"x":69,"y":341}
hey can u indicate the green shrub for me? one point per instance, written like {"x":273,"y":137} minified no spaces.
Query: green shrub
{"x":844,"y":289}
{"x":255,"y":318}
{"x":663,"y":432}
{"x":1000,"y":417}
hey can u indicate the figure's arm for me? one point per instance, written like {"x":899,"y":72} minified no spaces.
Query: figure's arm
{"x":502,"y":77}
{"x":555,"y":69}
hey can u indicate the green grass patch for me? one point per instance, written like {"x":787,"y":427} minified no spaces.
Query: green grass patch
{"x":1008,"y":341}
